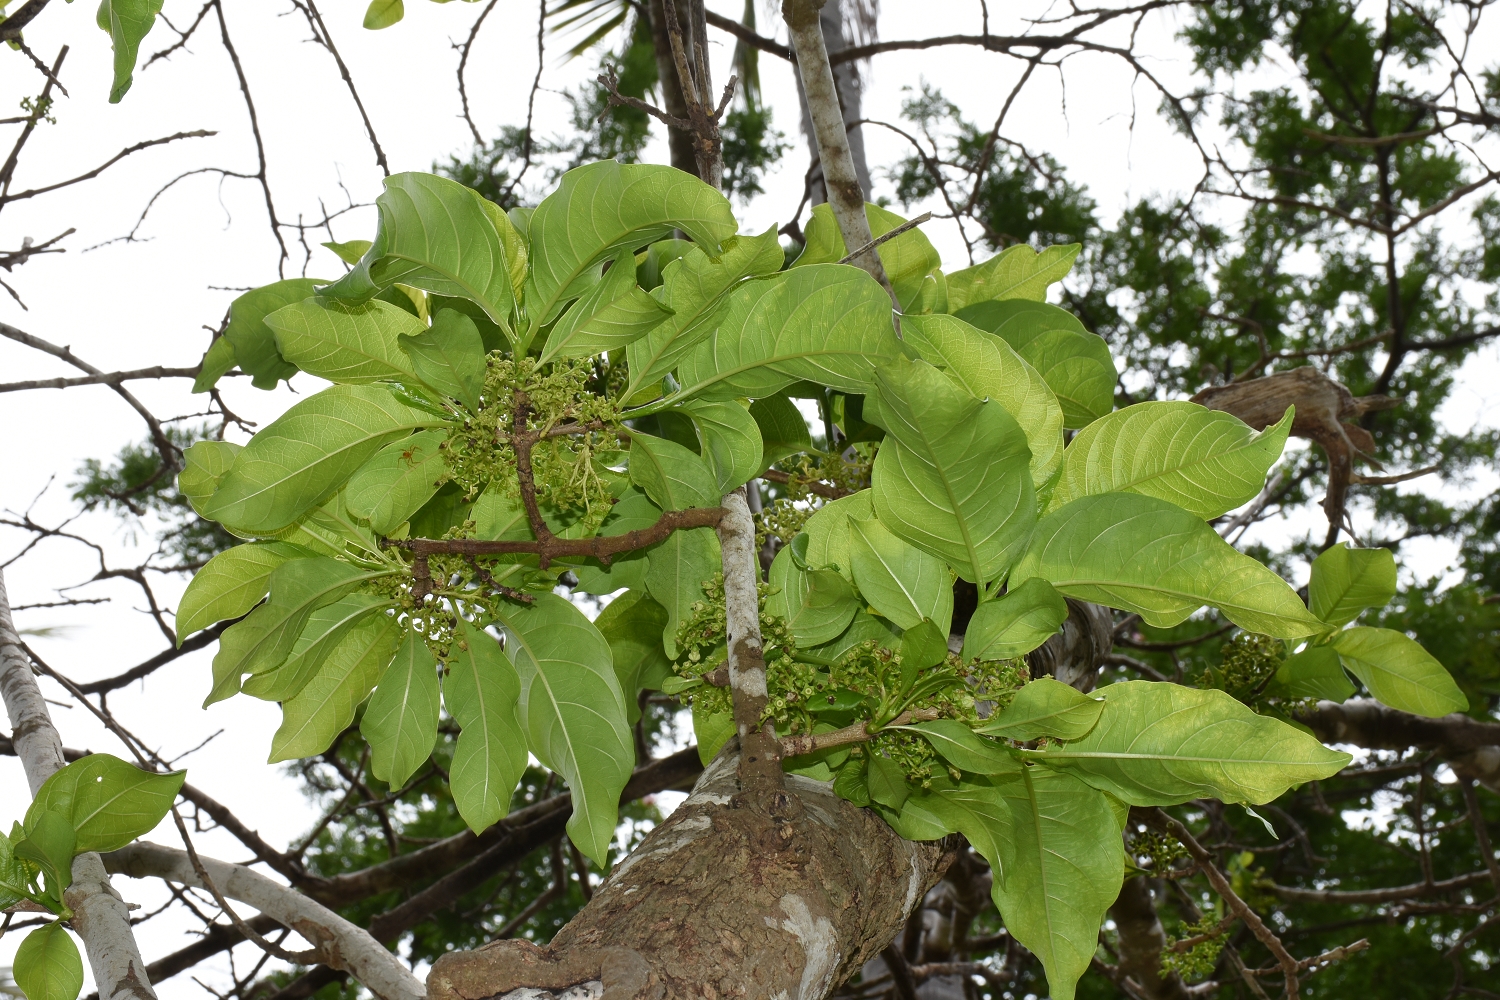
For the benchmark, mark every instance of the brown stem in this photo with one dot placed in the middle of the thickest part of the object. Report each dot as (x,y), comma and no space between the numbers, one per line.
(859,732)
(601,547)
(820,489)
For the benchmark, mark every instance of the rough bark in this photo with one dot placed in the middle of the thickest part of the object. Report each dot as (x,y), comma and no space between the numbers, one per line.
(679,141)
(1142,941)
(726,900)
(99,914)
(846,195)
(1471,746)
(339,943)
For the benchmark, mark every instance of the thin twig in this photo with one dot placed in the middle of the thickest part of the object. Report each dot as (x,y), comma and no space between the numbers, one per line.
(883,237)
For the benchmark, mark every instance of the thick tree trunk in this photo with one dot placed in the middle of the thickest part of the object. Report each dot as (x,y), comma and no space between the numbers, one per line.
(850,89)
(724,900)
(679,141)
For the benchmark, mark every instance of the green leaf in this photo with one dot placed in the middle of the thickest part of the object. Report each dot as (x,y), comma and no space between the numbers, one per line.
(449,357)
(325,631)
(48,966)
(325,706)
(977,809)
(1398,671)
(383,13)
(573,711)
(676,570)
(254,343)
(612,314)
(817,605)
(953,477)
(1141,554)
(632,624)
(217,361)
(397,481)
(439,236)
(602,208)
(349,251)
(401,721)
(711,730)
(49,845)
(828,323)
(730,439)
(851,782)
(829,544)
(269,633)
(1205,461)
(107,802)
(1017,272)
(899,580)
(231,584)
(306,454)
(1346,582)
(694,288)
(205,464)
(958,745)
(634,511)
(988,368)
(344,343)
(783,431)
(673,477)
(1063,868)
(923,645)
(1076,364)
(1159,744)
(1016,622)
(1313,673)
(908,259)
(863,627)
(16,874)
(652,262)
(128,22)
(483,695)
(886,781)
(1045,707)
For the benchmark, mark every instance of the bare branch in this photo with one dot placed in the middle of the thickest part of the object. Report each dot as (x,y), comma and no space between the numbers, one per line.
(320,32)
(106,378)
(7,198)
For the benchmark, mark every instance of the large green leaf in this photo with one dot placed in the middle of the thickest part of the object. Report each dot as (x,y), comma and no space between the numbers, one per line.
(128,23)
(302,457)
(828,539)
(254,342)
(1346,582)
(817,605)
(902,582)
(612,314)
(1062,870)
(863,627)
(205,464)
(783,431)
(449,356)
(1205,461)
(1160,744)
(401,721)
(397,481)
(217,361)
(48,966)
(1016,622)
(231,584)
(268,634)
(990,369)
(632,625)
(634,511)
(676,571)
(730,440)
(1313,673)
(1398,671)
(694,287)
(1045,707)
(439,236)
(953,476)
(325,706)
(108,802)
(574,712)
(1141,554)
(325,629)
(909,259)
(601,208)
(977,809)
(673,477)
(1017,272)
(958,745)
(828,323)
(345,343)
(1075,363)
(483,695)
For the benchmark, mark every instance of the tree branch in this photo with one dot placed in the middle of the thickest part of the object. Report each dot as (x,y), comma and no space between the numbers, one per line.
(760,757)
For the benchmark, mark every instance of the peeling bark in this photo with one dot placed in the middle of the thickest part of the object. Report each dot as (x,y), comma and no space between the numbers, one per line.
(99,914)
(724,900)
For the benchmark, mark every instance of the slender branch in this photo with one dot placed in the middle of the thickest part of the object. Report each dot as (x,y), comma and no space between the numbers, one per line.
(760,759)
(8,169)
(859,732)
(601,547)
(106,378)
(10,28)
(1481,831)
(749,37)
(1359,480)
(821,489)
(884,237)
(320,31)
(7,198)
(205,638)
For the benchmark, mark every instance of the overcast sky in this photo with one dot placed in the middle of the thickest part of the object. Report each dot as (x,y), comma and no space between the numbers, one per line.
(133,304)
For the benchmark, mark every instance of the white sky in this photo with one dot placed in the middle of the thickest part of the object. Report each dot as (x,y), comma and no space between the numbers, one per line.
(133,305)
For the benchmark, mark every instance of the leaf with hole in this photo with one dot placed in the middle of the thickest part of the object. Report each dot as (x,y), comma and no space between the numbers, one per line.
(107,802)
